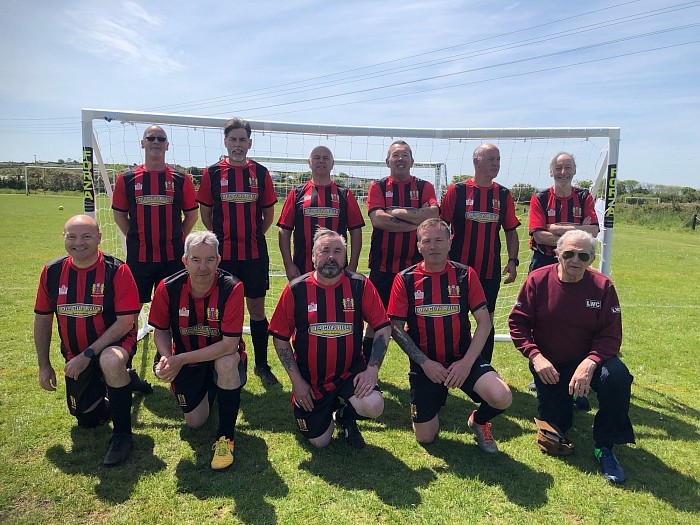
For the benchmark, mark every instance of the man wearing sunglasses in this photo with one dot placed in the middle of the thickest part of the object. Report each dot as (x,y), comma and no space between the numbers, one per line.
(154,207)
(566,321)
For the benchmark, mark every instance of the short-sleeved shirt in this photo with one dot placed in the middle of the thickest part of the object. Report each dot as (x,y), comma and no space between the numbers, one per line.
(567,322)
(477,215)
(87,301)
(436,308)
(155,201)
(391,252)
(310,206)
(327,325)
(238,195)
(546,208)
(197,322)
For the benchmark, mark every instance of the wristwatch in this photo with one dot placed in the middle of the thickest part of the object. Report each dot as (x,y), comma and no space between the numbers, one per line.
(515,260)
(89,352)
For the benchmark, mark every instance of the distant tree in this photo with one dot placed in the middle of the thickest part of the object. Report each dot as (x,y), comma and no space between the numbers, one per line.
(61,161)
(461,178)
(585,184)
(522,192)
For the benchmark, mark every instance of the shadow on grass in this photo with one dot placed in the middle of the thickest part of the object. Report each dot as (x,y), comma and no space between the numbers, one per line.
(85,458)
(522,485)
(374,469)
(249,482)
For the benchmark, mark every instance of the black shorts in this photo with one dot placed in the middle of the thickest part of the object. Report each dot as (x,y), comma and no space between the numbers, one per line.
(491,288)
(254,274)
(148,274)
(427,398)
(193,382)
(84,392)
(539,260)
(315,423)
(382,281)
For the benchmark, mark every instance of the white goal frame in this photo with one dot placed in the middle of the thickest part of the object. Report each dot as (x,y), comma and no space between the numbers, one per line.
(604,181)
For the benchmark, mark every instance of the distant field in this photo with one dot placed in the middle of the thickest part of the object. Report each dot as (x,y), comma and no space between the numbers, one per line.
(51,472)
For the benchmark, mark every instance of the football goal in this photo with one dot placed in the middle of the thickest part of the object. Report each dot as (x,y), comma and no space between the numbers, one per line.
(111,143)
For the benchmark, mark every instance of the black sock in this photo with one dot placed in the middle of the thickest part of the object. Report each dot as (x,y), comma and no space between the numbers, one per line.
(258,334)
(486,413)
(348,413)
(120,406)
(229,403)
(367,343)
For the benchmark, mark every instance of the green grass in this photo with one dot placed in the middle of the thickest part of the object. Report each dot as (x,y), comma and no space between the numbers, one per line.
(51,472)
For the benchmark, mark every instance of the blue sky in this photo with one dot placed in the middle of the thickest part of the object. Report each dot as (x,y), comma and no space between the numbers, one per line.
(632,64)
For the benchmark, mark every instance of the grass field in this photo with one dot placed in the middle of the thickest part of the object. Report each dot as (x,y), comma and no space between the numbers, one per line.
(51,472)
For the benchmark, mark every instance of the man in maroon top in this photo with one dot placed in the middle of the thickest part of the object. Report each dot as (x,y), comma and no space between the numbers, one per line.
(559,209)
(477,209)
(154,207)
(238,202)
(318,203)
(396,205)
(198,319)
(95,300)
(324,311)
(567,322)
(434,298)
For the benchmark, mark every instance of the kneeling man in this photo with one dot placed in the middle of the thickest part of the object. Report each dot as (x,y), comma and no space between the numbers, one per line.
(324,310)
(566,321)
(198,319)
(434,298)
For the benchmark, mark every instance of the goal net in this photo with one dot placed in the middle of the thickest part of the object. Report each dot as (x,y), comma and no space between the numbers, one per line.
(111,143)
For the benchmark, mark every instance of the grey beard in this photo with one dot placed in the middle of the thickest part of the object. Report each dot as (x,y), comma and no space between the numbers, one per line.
(329,270)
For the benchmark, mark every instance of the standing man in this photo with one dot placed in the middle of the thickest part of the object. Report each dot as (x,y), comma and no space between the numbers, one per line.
(318,203)
(94,299)
(567,322)
(477,209)
(198,319)
(238,201)
(559,209)
(324,311)
(397,204)
(434,297)
(154,207)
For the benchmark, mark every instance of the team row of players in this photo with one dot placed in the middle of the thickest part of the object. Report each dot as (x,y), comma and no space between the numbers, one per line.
(237,200)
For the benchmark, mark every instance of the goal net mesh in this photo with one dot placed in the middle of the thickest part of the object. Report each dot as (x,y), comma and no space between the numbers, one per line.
(440,156)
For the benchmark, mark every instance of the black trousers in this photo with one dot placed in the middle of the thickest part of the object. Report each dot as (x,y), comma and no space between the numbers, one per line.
(612,383)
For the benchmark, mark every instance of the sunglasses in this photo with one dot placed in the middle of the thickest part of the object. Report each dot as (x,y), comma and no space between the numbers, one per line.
(569,254)
(159,139)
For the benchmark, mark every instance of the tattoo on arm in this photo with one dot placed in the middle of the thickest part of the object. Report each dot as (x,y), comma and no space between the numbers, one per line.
(407,345)
(379,346)
(286,357)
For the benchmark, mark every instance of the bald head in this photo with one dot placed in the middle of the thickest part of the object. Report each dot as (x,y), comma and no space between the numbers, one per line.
(81,220)
(487,163)
(321,163)
(81,238)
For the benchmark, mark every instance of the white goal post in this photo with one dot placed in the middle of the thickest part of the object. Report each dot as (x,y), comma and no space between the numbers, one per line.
(111,140)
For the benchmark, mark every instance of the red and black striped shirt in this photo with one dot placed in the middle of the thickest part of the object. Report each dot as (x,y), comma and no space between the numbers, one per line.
(327,325)
(546,208)
(196,323)
(477,215)
(391,252)
(436,308)
(238,195)
(87,301)
(310,206)
(155,202)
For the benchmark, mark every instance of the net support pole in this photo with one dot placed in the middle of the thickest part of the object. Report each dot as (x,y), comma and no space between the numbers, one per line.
(88,168)
(610,196)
